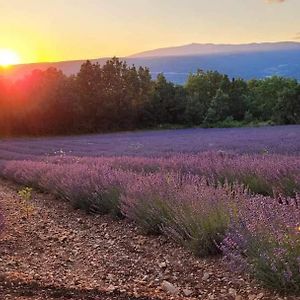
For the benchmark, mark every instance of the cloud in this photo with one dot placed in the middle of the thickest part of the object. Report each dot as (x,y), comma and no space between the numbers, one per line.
(275,1)
(297,36)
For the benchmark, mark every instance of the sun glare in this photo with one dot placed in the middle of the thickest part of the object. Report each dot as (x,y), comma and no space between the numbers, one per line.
(8,58)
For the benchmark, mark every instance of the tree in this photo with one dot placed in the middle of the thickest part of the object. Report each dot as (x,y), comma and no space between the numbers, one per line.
(219,108)
(264,94)
(162,108)
(287,109)
(201,89)
(112,96)
(238,92)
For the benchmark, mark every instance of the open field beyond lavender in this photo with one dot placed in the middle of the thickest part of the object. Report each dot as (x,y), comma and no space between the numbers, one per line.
(233,192)
(276,139)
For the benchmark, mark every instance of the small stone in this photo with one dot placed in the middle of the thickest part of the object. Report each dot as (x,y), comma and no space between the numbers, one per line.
(260,296)
(232,292)
(187,292)
(146,277)
(169,287)
(162,265)
(251,297)
(36,276)
(112,288)
(238,297)
(63,238)
(110,276)
(206,275)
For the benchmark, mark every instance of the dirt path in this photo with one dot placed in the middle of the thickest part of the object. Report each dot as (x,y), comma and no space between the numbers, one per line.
(60,253)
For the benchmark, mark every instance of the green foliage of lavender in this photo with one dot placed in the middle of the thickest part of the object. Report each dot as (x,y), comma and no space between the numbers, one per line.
(202,217)
(184,207)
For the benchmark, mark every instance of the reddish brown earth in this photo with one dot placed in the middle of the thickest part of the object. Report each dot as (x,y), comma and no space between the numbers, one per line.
(61,253)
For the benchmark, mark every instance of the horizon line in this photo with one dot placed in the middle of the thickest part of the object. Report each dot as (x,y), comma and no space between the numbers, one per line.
(149,50)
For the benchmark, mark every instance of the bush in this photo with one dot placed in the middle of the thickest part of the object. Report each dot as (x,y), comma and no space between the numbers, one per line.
(85,187)
(149,202)
(185,208)
(265,241)
(201,219)
(198,232)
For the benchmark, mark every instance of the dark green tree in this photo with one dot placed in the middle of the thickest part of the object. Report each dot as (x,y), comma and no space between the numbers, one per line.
(201,88)
(263,96)
(167,103)
(287,109)
(219,108)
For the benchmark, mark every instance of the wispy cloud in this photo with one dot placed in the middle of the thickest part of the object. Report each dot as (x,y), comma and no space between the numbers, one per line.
(297,36)
(275,1)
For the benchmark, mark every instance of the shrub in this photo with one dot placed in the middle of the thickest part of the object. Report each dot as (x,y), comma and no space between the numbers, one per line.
(201,219)
(149,202)
(185,208)
(265,241)
(257,184)
(91,189)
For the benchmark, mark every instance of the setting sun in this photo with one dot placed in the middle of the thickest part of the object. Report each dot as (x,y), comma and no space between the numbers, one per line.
(8,57)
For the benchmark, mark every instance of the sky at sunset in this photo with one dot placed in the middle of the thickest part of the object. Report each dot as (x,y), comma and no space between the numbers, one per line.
(55,30)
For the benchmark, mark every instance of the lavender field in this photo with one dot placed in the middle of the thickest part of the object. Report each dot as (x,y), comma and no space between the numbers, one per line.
(276,139)
(234,192)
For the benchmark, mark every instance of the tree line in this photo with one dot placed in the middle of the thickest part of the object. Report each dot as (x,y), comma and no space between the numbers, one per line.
(117,96)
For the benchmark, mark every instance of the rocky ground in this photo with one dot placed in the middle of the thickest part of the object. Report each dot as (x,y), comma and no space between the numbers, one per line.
(62,253)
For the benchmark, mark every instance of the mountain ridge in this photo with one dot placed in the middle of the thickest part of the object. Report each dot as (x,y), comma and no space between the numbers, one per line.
(282,59)
(211,48)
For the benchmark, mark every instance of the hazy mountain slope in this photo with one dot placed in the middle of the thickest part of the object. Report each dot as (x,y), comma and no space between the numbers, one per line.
(68,67)
(245,65)
(253,64)
(201,49)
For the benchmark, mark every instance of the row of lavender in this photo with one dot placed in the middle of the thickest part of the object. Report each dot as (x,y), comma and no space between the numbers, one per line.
(268,175)
(244,206)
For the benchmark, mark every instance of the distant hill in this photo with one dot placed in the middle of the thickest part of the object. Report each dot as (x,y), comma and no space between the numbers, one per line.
(245,61)
(205,49)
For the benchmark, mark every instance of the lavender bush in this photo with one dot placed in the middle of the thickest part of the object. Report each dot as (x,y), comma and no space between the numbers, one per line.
(94,190)
(186,208)
(149,201)
(202,217)
(265,240)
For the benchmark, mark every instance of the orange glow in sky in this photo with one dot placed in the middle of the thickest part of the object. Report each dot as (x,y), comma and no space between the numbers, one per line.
(55,30)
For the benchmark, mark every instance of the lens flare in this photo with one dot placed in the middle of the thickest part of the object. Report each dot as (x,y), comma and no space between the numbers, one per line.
(8,58)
